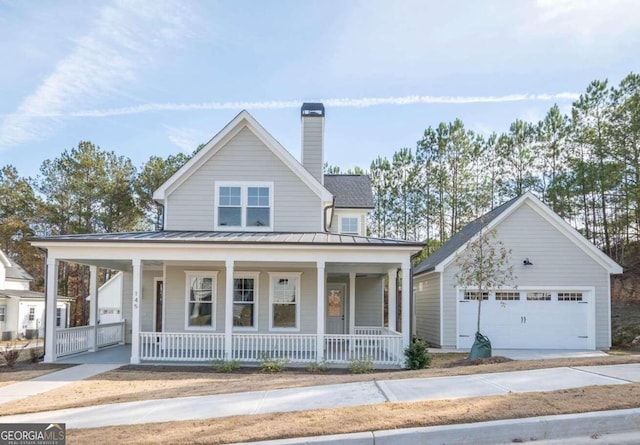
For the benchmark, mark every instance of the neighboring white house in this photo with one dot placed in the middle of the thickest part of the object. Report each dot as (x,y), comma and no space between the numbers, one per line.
(561,298)
(110,299)
(22,310)
(259,254)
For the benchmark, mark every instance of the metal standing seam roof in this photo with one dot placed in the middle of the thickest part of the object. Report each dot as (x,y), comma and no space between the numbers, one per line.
(206,237)
(460,238)
(350,191)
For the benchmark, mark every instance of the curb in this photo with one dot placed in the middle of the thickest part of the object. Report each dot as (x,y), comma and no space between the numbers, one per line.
(563,426)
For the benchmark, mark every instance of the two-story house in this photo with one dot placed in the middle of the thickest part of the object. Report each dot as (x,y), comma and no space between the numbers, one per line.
(259,255)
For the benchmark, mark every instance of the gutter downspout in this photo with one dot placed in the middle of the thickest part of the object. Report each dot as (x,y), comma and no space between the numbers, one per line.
(332,206)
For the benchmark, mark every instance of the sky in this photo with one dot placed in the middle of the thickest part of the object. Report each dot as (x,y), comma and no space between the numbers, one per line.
(156,77)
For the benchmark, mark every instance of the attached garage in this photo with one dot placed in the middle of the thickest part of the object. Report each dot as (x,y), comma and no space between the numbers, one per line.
(560,298)
(548,318)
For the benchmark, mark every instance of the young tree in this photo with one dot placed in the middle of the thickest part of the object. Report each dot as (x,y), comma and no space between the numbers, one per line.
(485,264)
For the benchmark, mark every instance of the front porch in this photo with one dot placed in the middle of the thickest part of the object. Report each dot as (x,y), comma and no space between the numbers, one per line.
(300,304)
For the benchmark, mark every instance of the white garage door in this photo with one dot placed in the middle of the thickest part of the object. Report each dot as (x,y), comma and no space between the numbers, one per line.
(547,319)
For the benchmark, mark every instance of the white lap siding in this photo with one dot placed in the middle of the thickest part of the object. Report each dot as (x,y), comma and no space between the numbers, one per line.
(427,307)
(175,297)
(369,301)
(244,158)
(557,262)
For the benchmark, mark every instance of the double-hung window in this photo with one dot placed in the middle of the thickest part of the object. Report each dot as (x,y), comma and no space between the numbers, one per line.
(32,313)
(58,317)
(284,301)
(3,313)
(349,225)
(245,300)
(244,206)
(200,300)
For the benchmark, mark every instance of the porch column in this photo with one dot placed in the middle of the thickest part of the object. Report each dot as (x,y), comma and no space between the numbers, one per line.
(135,313)
(228,311)
(352,303)
(93,306)
(320,311)
(392,295)
(406,314)
(50,315)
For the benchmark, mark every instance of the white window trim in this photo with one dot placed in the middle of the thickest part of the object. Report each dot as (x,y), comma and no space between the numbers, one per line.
(256,293)
(358,231)
(214,298)
(244,186)
(277,275)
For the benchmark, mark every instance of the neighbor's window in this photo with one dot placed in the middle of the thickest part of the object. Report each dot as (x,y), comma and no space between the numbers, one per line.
(58,316)
(2,313)
(349,225)
(285,301)
(32,314)
(245,300)
(200,299)
(244,206)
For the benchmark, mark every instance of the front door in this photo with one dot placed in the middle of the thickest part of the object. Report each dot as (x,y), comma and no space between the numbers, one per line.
(335,308)
(159,302)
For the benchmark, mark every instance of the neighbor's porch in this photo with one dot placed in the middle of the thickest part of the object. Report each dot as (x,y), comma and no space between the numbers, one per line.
(158,305)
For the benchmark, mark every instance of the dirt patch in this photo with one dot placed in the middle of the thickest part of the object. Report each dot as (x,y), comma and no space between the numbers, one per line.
(133,383)
(26,371)
(479,361)
(366,418)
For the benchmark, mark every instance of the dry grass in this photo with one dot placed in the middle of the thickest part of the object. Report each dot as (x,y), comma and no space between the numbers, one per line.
(133,383)
(366,418)
(26,371)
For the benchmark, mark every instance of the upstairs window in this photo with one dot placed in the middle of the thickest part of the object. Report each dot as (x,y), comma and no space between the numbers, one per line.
(349,225)
(244,206)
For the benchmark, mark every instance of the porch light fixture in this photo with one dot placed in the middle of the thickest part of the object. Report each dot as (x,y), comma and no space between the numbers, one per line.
(526,262)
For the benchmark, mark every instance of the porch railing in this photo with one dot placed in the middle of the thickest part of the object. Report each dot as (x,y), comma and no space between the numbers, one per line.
(181,346)
(382,346)
(73,340)
(298,348)
(381,349)
(80,339)
(109,334)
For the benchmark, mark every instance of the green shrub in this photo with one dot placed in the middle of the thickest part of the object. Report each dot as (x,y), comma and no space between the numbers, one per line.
(225,365)
(272,365)
(417,356)
(360,366)
(318,367)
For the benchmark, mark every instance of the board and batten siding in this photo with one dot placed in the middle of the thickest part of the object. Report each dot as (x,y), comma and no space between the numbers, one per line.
(427,307)
(175,297)
(557,261)
(244,157)
(369,301)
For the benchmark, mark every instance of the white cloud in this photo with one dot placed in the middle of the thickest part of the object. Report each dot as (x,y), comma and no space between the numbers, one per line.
(122,40)
(361,102)
(185,138)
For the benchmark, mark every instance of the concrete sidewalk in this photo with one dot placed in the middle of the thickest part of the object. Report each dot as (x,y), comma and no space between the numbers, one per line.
(333,396)
(51,381)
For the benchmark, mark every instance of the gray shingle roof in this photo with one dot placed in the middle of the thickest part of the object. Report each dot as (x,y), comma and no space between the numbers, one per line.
(177,236)
(351,191)
(13,269)
(460,238)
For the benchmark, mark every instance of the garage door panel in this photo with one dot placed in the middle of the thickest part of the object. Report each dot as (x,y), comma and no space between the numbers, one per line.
(538,319)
